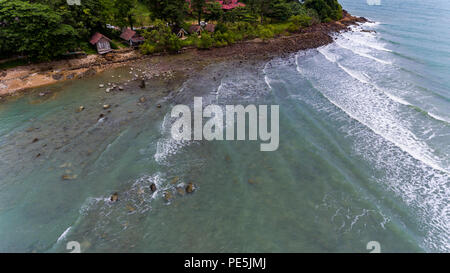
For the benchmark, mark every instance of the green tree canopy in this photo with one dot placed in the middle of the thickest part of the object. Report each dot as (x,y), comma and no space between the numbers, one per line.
(34,30)
(172,11)
(198,6)
(327,9)
(124,12)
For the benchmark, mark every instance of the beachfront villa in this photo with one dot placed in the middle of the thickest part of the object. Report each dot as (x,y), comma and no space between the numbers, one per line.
(230,4)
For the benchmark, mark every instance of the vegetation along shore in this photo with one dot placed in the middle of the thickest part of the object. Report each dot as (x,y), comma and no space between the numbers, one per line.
(68,42)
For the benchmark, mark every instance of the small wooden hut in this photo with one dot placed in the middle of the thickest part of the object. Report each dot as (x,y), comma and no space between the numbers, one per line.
(196,29)
(182,33)
(102,42)
(210,27)
(132,37)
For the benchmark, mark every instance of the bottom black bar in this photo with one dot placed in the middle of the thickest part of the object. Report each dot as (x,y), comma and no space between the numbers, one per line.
(222,262)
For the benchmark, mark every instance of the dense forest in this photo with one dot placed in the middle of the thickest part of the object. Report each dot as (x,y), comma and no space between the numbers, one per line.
(46,29)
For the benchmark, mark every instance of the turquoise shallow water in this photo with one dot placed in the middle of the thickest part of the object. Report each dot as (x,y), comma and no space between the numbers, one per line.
(363,156)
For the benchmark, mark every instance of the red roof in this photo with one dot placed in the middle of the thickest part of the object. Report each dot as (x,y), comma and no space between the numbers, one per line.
(96,37)
(128,34)
(231,4)
(226,4)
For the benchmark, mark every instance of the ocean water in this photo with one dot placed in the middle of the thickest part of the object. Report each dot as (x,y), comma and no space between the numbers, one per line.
(364,152)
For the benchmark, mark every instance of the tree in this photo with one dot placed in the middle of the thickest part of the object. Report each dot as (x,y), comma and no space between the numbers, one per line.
(160,38)
(124,12)
(327,9)
(279,10)
(198,6)
(34,30)
(87,18)
(172,11)
(260,7)
(214,11)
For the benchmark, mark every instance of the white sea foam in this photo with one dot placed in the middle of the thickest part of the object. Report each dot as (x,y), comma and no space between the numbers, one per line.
(366,107)
(266,79)
(365,40)
(355,74)
(64,234)
(359,75)
(395,98)
(166,145)
(360,53)
(387,134)
(328,55)
(437,117)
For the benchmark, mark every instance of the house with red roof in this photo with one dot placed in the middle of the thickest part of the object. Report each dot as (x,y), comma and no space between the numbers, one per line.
(132,37)
(102,42)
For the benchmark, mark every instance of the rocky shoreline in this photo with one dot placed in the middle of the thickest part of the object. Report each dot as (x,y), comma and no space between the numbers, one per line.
(17,80)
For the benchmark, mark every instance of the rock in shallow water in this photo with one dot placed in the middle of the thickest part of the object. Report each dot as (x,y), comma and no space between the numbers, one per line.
(69,177)
(168,196)
(142,84)
(190,188)
(153,187)
(114,197)
(81,108)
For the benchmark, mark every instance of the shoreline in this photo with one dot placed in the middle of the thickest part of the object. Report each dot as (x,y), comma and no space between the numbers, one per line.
(18,80)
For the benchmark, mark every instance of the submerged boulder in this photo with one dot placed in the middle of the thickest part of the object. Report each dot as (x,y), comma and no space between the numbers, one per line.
(174,180)
(181,191)
(168,196)
(251,181)
(130,208)
(69,177)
